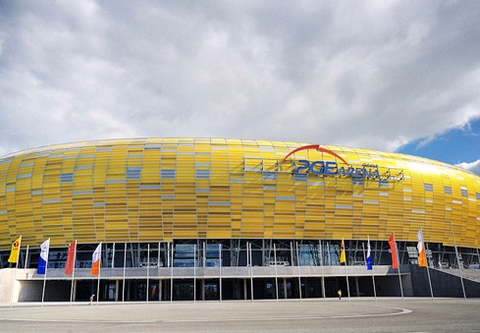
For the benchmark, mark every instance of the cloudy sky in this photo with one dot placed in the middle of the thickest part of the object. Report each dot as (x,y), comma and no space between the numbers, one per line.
(391,75)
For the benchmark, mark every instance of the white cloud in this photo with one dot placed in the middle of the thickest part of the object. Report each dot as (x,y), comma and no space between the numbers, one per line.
(472,167)
(367,74)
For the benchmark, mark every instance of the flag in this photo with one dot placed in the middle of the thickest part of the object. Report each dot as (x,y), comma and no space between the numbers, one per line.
(393,249)
(70,264)
(15,250)
(43,259)
(342,253)
(422,258)
(96,260)
(369,256)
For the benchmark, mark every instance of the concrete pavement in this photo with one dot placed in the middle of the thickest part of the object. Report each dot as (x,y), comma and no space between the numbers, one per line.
(312,315)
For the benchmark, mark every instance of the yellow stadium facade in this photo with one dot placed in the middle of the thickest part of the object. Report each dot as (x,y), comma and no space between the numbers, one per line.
(205,218)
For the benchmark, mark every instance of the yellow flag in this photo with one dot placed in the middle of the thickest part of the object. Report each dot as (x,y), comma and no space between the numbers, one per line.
(342,253)
(15,248)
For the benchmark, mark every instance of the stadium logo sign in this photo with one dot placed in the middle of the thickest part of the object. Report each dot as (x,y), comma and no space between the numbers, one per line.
(330,168)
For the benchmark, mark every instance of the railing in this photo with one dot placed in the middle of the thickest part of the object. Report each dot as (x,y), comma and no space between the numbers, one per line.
(153,272)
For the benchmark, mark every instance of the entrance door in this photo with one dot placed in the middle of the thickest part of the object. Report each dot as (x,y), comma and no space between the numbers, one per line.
(110,290)
(211,290)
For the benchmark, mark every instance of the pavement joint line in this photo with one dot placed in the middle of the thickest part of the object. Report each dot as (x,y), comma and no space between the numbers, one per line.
(79,320)
(401,311)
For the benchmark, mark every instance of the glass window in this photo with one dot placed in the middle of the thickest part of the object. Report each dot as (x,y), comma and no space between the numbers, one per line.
(183,263)
(268,175)
(66,177)
(167,173)
(383,182)
(447,189)
(301,177)
(212,251)
(133,173)
(184,251)
(202,174)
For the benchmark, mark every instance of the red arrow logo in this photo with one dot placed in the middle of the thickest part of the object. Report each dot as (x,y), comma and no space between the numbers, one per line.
(316,147)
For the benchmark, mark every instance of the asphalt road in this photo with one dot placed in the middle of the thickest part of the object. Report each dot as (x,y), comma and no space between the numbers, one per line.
(356,315)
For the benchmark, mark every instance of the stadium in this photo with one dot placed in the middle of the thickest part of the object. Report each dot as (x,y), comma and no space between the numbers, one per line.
(167,219)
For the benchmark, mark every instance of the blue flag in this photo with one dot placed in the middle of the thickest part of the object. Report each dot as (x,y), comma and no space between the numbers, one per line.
(43,259)
(369,256)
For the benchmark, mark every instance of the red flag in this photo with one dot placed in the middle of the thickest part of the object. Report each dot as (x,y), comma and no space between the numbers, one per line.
(393,248)
(70,264)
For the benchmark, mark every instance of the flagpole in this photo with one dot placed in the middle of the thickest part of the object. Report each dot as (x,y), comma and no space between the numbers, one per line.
(399,266)
(99,272)
(365,259)
(13,285)
(458,262)
(368,258)
(249,253)
(148,272)
(204,264)
(18,253)
(373,275)
(15,274)
(249,269)
(364,256)
(113,256)
(220,272)
(160,286)
(478,255)
(46,269)
(25,264)
(298,271)
(73,270)
(323,275)
(194,272)
(348,282)
(343,252)
(171,273)
(124,268)
(428,270)
(276,270)
(328,255)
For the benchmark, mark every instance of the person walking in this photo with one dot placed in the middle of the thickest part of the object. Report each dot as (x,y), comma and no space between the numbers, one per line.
(339,292)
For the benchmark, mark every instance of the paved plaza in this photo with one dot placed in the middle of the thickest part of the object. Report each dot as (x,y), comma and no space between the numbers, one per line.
(331,315)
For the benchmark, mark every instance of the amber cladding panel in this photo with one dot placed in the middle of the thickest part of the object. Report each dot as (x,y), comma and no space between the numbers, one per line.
(159,189)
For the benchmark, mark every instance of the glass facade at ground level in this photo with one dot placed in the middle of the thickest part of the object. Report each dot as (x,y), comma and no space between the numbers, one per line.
(235,270)
(246,253)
